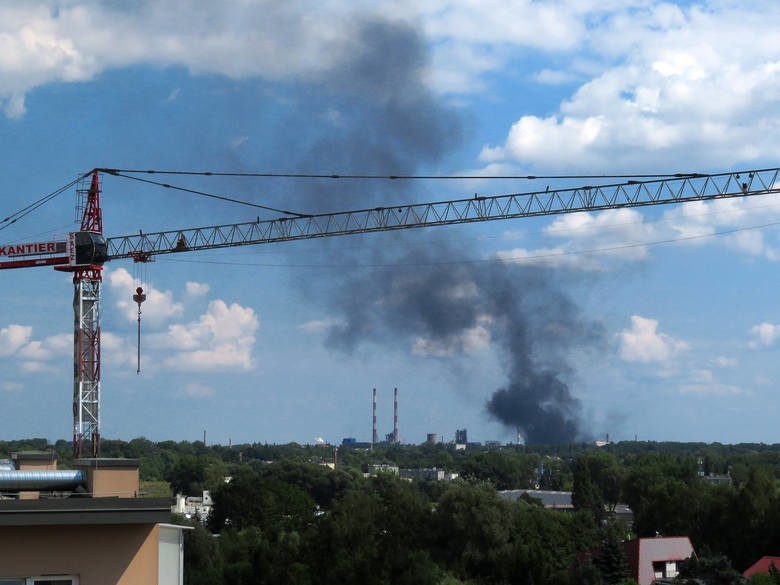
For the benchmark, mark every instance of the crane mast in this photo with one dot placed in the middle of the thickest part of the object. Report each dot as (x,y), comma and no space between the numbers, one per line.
(88,249)
(86,336)
(87,254)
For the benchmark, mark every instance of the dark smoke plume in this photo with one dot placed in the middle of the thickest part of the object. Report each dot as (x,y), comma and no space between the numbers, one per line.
(385,120)
(440,310)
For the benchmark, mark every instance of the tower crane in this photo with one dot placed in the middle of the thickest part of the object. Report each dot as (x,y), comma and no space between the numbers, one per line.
(85,251)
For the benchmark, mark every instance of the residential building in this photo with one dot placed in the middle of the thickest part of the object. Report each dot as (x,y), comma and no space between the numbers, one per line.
(657,558)
(193,507)
(89,529)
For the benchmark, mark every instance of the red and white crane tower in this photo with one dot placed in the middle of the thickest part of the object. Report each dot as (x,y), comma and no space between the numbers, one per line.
(86,250)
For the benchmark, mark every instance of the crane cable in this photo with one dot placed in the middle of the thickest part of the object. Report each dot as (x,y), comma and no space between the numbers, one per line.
(16,216)
(123,173)
(120,172)
(210,195)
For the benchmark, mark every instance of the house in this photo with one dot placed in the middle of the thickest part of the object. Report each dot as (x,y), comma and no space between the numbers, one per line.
(763,565)
(656,558)
(85,526)
(198,507)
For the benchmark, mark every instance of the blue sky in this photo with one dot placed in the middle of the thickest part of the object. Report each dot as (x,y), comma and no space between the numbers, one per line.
(284,342)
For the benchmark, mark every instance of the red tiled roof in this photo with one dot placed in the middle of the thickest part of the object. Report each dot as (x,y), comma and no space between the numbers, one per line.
(762,566)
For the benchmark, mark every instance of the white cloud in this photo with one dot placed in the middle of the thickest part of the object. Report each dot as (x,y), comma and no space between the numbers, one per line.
(33,367)
(651,103)
(616,232)
(195,390)
(14,106)
(158,307)
(766,334)
(712,389)
(494,22)
(48,348)
(13,338)
(11,387)
(649,68)
(470,340)
(589,240)
(197,289)
(644,343)
(726,362)
(34,355)
(552,257)
(554,77)
(320,325)
(704,382)
(239,141)
(760,380)
(220,339)
(41,42)
(122,352)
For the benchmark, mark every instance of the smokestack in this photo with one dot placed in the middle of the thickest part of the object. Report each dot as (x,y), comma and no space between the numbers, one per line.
(374,436)
(395,415)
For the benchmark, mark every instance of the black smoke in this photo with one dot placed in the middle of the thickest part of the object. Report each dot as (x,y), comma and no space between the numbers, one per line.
(440,302)
(441,309)
(384,119)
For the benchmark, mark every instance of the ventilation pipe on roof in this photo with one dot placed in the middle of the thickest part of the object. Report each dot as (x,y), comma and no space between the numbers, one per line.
(61,479)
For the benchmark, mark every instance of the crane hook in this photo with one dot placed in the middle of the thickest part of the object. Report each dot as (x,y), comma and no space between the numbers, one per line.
(139,297)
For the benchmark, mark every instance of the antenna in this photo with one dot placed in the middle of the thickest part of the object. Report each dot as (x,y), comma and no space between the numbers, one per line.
(395,415)
(374,436)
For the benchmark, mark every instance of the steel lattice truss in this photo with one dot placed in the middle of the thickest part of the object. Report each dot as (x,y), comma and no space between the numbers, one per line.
(86,360)
(678,189)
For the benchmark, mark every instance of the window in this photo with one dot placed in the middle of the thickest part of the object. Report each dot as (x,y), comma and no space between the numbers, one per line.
(665,569)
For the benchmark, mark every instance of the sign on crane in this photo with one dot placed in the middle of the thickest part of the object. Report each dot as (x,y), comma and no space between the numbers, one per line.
(86,250)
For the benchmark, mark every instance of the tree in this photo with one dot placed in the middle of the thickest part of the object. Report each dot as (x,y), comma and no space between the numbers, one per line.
(202,557)
(473,530)
(586,495)
(251,500)
(379,532)
(612,562)
(709,569)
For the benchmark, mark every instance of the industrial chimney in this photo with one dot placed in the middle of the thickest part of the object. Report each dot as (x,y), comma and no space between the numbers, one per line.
(374,436)
(395,415)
